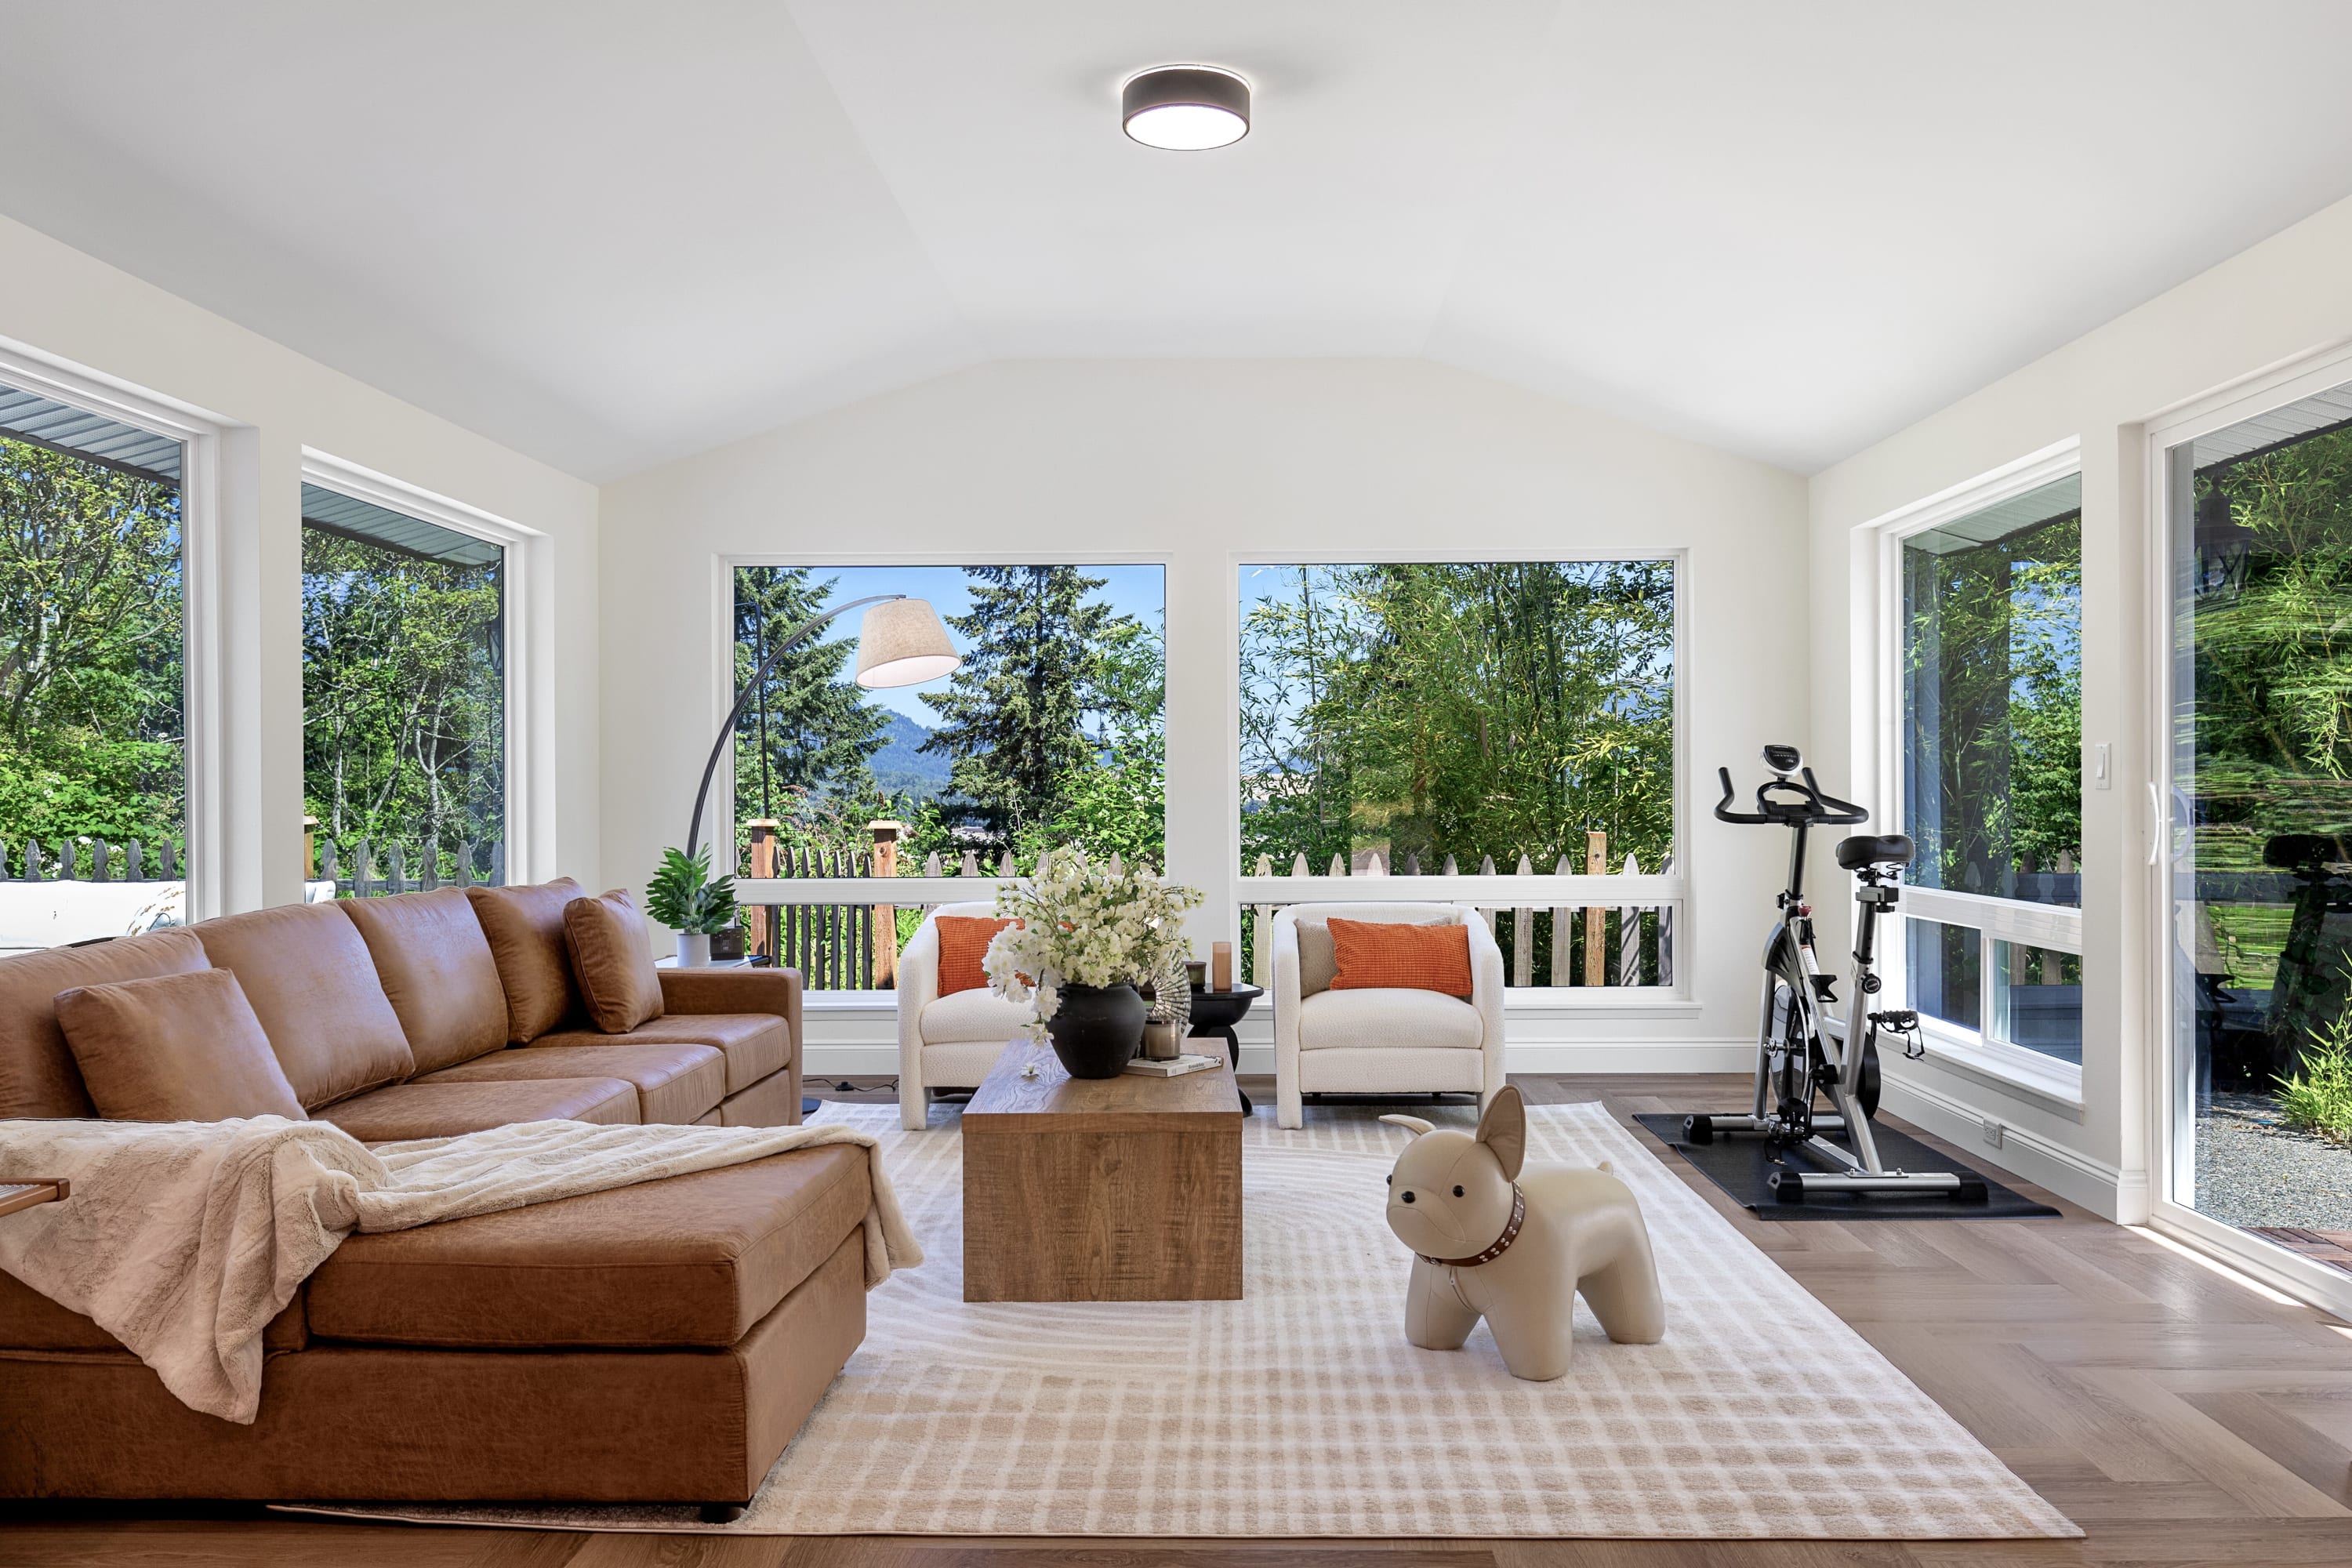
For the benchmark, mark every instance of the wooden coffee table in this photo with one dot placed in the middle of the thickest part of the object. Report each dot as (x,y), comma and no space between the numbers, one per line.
(1122,1189)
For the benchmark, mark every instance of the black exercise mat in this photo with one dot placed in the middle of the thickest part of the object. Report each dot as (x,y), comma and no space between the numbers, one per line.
(1742,1165)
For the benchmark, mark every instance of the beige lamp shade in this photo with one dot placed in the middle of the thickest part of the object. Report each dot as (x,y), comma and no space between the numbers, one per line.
(902,642)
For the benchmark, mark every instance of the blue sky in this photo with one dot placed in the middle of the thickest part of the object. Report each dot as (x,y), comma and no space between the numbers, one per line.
(1138,591)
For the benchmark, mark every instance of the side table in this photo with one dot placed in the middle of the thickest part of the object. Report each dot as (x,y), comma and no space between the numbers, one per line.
(1215,1013)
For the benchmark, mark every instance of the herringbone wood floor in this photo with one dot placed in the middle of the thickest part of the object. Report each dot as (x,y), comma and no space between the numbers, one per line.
(2178,1417)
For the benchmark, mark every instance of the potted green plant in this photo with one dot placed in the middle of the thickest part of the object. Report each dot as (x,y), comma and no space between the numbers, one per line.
(1090,933)
(682,896)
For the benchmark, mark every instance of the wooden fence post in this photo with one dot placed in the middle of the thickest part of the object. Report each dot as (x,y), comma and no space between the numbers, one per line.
(1523,933)
(1629,933)
(1596,919)
(886,916)
(1563,934)
(760,937)
(1262,936)
(1666,930)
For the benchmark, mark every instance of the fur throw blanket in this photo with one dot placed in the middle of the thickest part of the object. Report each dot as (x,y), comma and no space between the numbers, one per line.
(183,1239)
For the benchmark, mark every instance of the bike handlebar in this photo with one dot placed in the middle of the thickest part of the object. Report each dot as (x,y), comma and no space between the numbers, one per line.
(1815,805)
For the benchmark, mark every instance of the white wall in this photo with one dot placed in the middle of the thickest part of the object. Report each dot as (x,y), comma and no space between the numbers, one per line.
(2283,299)
(1191,462)
(57,304)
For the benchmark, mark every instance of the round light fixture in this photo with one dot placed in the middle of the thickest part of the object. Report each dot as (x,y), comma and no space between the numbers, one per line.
(1185,109)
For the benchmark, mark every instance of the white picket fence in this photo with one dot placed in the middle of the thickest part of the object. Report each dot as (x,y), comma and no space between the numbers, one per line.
(1624,917)
(833,918)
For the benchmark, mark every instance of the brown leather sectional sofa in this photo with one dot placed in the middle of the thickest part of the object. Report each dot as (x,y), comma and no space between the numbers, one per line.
(659,1343)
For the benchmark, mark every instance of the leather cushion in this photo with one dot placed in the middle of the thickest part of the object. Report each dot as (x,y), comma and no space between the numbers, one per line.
(408,1111)
(975,1016)
(31,1322)
(673,1082)
(612,961)
(37,1076)
(774,1101)
(311,983)
(174,1048)
(755,1043)
(1380,955)
(963,943)
(436,969)
(1377,1020)
(691,1261)
(524,927)
(744,990)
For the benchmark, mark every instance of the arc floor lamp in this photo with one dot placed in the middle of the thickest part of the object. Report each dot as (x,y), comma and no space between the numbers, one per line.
(900,643)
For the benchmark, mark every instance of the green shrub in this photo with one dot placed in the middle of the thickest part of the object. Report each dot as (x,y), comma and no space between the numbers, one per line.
(2318,1099)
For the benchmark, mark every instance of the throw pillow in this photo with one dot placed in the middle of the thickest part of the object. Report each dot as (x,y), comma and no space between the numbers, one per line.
(1376,953)
(963,942)
(525,927)
(613,959)
(174,1048)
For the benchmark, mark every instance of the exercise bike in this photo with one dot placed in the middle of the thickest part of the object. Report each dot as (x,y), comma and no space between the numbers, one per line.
(1795,1062)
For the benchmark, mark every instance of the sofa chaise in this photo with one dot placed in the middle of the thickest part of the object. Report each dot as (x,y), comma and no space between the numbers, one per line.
(658,1343)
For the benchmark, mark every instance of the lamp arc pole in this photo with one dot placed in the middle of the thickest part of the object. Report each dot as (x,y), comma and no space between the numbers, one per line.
(799,633)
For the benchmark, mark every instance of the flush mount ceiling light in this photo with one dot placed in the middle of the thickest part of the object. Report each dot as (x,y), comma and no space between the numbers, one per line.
(1185,109)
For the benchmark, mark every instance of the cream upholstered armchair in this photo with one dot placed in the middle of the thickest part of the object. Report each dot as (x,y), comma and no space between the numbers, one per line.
(1380,1041)
(946,1042)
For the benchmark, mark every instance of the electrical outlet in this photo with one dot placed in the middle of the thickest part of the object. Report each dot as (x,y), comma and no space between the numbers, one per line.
(1992,1132)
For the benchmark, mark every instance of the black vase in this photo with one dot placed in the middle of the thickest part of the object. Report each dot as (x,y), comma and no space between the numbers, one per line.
(1097,1029)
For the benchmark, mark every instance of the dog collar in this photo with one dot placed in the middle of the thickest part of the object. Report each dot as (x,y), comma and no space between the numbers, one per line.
(1496,1248)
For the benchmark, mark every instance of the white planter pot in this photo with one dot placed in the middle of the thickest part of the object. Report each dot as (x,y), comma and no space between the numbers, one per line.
(693,950)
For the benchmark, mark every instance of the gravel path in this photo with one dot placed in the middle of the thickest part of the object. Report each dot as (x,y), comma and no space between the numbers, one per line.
(2252,1170)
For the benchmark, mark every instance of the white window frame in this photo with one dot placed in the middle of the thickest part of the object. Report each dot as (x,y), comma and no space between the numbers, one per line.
(530,805)
(1543,890)
(1976,1052)
(199,434)
(2303,1277)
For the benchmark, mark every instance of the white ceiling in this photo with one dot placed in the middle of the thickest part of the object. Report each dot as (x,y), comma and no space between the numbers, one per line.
(609,232)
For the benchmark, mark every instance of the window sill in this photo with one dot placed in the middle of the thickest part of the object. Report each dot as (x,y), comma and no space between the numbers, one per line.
(2054,1085)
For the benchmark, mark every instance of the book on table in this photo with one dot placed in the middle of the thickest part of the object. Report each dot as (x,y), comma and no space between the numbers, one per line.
(1173,1066)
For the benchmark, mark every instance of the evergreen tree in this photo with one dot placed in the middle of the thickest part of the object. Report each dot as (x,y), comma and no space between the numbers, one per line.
(810,725)
(1014,718)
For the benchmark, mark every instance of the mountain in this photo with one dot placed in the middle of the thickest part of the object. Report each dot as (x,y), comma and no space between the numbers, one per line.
(898,767)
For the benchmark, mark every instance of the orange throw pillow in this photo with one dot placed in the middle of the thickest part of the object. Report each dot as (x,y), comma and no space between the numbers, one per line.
(1377,954)
(963,942)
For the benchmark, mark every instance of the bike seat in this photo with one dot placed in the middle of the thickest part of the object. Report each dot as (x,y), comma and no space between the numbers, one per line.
(1873,849)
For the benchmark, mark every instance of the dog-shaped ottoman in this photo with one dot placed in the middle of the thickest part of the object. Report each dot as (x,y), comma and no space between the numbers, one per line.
(1515,1249)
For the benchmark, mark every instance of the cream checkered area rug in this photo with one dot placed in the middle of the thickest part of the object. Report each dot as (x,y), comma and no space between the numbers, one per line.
(1300,1411)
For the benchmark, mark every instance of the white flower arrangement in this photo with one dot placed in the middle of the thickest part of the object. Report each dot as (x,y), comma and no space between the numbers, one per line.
(1087,922)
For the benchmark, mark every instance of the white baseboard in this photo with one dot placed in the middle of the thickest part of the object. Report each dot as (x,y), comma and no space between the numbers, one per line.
(2025,1155)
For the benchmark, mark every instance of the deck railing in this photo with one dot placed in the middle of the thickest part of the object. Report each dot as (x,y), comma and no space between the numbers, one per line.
(365,868)
(824,913)
(1596,928)
(107,861)
(817,912)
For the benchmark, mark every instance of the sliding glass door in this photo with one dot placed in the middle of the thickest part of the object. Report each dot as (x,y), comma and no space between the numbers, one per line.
(2258,834)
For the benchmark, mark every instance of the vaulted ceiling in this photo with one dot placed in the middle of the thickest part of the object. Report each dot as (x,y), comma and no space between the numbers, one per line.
(613,232)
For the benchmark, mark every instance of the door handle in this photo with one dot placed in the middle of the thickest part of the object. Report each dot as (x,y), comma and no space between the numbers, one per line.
(2159,822)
